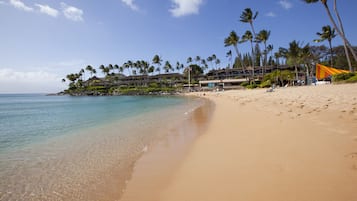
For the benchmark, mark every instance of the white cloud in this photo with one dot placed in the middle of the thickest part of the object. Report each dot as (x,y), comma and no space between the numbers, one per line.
(47,10)
(12,81)
(72,13)
(20,5)
(131,4)
(285,4)
(271,14)
(185,7)
(2,2)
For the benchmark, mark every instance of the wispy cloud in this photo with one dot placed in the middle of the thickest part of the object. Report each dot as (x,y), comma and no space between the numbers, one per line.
(131,4)
(285,4)
(72,13)
(185,7)
(270,14)
(20,5)
(47,10)
(2,2)
(28,81)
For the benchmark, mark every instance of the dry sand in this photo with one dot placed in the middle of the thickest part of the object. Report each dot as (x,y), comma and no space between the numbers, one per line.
(291,144)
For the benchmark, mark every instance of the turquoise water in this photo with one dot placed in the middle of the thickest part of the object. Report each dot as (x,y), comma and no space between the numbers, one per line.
(82,148)
(28,118)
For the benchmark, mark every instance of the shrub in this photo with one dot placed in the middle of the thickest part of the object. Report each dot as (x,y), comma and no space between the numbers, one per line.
(265,84)
(252,86)
(352,79)
(244,84)
(342,77)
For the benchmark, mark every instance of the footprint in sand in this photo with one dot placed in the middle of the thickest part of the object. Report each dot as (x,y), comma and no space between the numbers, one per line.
(351,155)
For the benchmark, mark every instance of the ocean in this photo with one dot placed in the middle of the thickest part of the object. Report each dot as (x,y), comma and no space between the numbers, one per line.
(83,148)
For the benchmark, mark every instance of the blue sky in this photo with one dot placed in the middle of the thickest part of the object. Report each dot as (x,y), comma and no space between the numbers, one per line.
(42,40)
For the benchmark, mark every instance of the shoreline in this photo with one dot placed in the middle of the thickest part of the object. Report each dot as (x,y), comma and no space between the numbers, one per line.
(154,169)
(296,143)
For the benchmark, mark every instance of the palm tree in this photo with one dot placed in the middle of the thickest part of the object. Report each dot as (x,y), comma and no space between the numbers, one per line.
(101,67)
(248,36)
(111,68)
(117,67)
(157,60)
(248,16)
(229,56)
(81,73)
(197,59)
(167,67)
(89,68)
(189,60)
(270,50)
(327,34)
(209,59)
(340,30)
(233,39)
(263,36)
(293,55)
(217,62)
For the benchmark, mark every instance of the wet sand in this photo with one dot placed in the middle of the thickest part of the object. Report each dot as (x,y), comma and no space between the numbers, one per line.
(291,144)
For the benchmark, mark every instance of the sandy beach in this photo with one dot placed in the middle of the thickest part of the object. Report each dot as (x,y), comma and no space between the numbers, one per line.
(296,143)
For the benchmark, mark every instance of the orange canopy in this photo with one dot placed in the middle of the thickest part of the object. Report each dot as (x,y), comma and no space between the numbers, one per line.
(324,71)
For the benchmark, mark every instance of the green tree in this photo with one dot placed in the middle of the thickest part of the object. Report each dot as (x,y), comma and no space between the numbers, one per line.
(232,40)
(248,16)
(327,34)
(157,61)
(167,67)
(89,68)
(263,37)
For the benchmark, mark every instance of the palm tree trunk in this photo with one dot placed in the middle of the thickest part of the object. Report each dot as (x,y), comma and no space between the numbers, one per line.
(343,32)
(253,57)
(265,57)
(345,41)
(331,53)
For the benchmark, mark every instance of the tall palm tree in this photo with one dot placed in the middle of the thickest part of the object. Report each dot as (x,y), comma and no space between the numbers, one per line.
(197,59)
(232,40)
(167,67)
(248,36)
(157,61)
(339,30)
(263,37)
(327,34)
(116,66)
(270,50)
(81,73)
(217,62)
(293,55)
(101,67)
(189,60)
(89,68)
(229,56)
(209,59)
(248,16)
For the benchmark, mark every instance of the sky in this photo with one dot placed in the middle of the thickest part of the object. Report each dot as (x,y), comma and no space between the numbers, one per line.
(41,41)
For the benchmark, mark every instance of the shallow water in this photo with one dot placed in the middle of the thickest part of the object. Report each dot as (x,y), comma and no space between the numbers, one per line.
(79,148)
